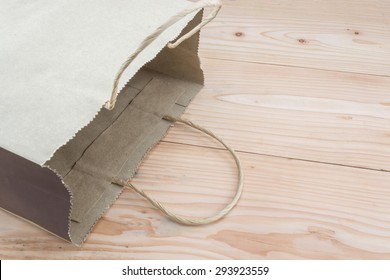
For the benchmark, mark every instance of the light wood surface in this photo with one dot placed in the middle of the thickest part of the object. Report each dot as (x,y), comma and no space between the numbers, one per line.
(301,90)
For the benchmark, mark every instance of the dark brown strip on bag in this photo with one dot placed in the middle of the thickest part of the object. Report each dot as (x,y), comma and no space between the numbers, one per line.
(34,193)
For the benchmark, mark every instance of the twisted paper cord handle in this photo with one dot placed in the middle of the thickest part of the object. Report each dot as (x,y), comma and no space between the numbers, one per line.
(217,4)
(193,221)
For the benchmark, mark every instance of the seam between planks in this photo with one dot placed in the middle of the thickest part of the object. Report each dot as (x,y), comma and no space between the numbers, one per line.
(281,157)
(295,66)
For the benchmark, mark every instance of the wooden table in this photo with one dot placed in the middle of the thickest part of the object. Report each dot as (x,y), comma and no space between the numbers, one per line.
(302,90)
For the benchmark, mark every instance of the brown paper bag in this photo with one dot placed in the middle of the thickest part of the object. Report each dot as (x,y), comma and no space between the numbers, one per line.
(59,149)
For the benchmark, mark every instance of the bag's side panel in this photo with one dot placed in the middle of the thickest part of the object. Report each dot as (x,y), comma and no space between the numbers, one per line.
(34,193)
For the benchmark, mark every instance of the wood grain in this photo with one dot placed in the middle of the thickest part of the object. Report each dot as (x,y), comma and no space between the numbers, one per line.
(301,89)
(351,36)
(323,116)
(290,209)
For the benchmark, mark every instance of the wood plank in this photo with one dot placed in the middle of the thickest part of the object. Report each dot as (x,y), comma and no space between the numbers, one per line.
(351,36)
(323,116)
(290,209)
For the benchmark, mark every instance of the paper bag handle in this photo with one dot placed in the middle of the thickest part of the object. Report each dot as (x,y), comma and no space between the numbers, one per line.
(217,4)
(193,221)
